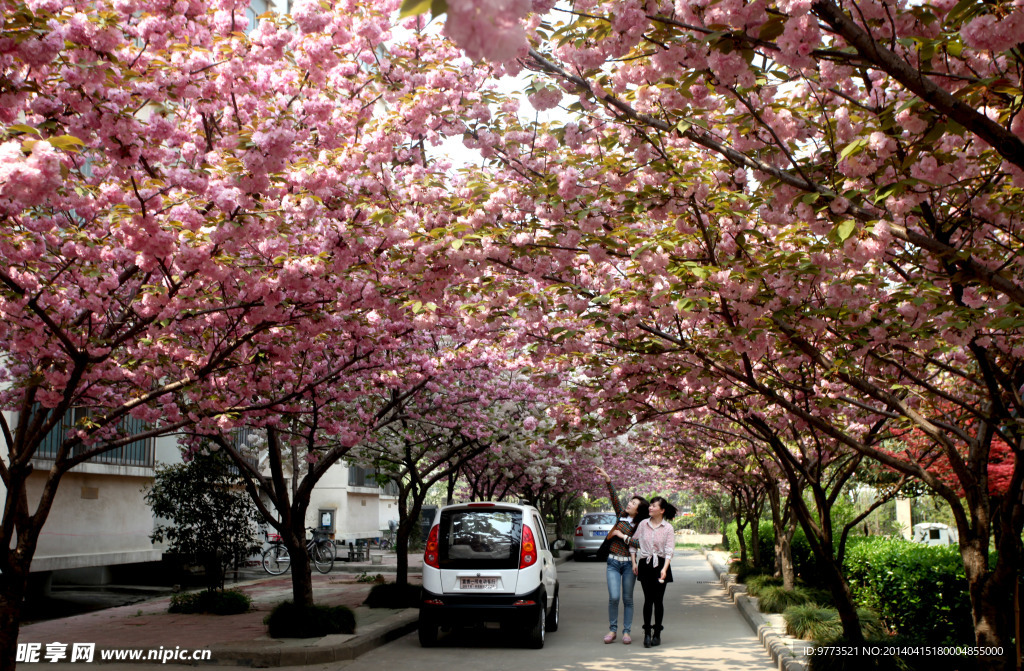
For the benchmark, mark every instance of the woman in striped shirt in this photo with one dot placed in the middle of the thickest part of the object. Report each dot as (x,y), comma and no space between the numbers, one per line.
(651,550)
(619,569)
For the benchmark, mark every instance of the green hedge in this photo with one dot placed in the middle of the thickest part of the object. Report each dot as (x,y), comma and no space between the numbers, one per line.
(392,595)
(289,621)
(919,590)
(216,602)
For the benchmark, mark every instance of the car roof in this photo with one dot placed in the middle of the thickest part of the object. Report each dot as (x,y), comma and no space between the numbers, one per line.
(489,505)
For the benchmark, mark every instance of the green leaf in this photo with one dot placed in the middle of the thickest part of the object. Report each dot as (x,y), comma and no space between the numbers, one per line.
(853,148)
(22,128)
(414,8)
(438,7)
(771,29)
(66,142)
(846,229)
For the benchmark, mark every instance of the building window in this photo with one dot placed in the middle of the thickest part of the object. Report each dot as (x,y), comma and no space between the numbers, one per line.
(359,476)
(256,8)
(137,453)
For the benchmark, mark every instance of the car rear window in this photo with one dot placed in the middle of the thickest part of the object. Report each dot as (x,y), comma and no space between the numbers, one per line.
(485,539)
(599,518)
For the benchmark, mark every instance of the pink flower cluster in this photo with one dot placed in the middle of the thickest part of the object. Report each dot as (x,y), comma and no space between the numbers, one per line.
(488,29)
(27,181)
(991,33)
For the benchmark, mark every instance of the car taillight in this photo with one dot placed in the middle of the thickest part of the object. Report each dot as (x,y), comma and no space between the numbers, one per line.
(579,531)
(528,553)
(430,557)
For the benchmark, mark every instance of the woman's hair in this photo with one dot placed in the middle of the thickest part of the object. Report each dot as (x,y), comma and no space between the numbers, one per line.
(670,510)
(642,511)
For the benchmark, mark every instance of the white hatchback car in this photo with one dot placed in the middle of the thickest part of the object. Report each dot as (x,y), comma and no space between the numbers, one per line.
(489,562)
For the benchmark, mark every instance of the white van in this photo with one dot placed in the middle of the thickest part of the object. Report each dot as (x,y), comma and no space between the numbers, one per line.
(489,562)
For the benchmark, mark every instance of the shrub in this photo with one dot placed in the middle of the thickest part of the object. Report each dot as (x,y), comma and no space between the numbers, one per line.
(776,599)
(289,621)
(817,623)
(393,595)
(744,571)
(918,590)
(756,583)
(217,602)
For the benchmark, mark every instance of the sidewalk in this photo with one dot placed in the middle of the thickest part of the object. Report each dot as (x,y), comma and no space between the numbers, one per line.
(242,640)
(770,628)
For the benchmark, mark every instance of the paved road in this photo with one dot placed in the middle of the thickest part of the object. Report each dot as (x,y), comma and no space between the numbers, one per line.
(703,632)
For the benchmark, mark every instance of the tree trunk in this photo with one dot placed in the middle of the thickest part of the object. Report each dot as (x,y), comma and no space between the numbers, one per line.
(784,557)
(302,572)
(12,599)
(991,604)
(755,543)
(408,518)
(783,526)
(821,544)
(740,528)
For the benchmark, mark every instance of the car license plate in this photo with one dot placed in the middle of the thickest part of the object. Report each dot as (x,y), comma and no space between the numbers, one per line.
(478,583)
(599,533)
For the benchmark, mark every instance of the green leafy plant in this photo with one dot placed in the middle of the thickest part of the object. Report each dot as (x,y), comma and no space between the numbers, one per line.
(917,589)
(210,519)
(290,621)
(776,599)
(220,602)
(393,595)
(818,623)
(756,583)
(375,579)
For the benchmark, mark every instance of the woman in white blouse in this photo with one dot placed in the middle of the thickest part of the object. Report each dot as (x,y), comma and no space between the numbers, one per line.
(651,550)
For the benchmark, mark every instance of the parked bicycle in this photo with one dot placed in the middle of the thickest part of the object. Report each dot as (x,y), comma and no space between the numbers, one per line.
(387,540)
(277,560)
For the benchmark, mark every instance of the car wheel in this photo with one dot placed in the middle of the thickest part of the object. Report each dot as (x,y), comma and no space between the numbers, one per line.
(535,635)
(428,634)
(552,624)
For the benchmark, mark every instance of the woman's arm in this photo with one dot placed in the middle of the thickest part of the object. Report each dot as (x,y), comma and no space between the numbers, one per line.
(616,504)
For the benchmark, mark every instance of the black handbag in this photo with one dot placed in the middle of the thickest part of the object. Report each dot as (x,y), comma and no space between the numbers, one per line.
(605,549)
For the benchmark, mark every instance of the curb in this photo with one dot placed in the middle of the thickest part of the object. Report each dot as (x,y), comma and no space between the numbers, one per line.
(771,636)
(334,648)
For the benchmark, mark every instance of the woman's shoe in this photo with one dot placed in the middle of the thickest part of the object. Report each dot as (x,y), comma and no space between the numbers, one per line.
(609,637)
(647,636)
(656,637)
(626,639)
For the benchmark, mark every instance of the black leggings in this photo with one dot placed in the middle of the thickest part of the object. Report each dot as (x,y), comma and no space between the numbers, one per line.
(654,594)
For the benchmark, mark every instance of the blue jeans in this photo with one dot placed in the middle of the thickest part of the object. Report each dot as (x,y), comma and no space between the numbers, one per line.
(620,585)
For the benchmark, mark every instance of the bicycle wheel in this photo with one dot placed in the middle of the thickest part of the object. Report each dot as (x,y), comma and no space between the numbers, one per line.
(276,559)
(323,557)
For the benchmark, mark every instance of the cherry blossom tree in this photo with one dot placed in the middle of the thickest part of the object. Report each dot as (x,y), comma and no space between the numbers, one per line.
(835,184)
(185,203)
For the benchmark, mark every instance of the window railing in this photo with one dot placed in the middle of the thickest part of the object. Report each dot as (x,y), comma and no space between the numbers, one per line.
(137,453)
(360,476)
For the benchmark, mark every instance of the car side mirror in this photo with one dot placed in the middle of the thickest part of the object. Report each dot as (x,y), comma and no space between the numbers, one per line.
(558,545)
